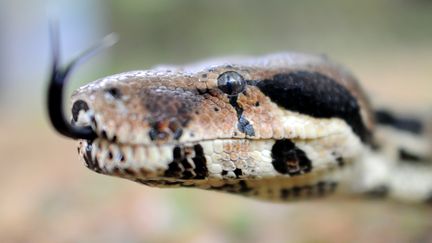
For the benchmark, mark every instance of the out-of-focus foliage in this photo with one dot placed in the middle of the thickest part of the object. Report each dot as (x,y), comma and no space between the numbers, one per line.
(185,30)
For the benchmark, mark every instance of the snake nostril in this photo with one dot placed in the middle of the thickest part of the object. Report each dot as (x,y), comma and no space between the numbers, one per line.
(114,92)
(77,107)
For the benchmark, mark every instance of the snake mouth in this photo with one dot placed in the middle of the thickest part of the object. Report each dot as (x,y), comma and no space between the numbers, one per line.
(107,157)
(150,161)
(209,164)
(191,160)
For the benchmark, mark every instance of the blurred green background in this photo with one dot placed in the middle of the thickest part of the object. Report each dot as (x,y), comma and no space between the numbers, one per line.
(47,195)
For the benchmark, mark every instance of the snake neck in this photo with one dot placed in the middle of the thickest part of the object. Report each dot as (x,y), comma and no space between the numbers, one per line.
(400,165)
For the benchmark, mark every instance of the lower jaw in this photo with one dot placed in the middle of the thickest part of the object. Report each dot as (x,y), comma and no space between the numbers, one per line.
(154,166)
(196,164)
(189,161)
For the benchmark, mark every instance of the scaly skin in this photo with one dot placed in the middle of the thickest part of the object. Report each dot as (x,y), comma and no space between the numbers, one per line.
(302,128)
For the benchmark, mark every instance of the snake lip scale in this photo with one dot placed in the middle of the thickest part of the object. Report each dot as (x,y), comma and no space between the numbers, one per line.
(281,127)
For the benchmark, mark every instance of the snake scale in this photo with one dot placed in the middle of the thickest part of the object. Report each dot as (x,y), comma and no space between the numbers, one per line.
(282,127)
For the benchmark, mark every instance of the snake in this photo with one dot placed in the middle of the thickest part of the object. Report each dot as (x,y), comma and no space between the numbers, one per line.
(281,127)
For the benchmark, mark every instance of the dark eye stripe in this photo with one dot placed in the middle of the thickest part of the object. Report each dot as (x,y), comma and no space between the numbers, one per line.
(317,95)
(288,159)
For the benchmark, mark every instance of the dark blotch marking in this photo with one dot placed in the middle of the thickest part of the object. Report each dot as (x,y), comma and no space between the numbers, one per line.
(378,192)
(408,124)
(104,134)
(243,124)
(122,157)
(238,172)
(186,164)
(200,162)
(90,163)
(177,153)
(181,166)
(340,161)
(317,95)
(173,170)
(288,159)
(169,111)
(77,107)
(406,156)
(245,127)
(187,174)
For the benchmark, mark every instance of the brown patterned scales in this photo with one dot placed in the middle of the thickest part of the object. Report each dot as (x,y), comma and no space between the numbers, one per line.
(286,126)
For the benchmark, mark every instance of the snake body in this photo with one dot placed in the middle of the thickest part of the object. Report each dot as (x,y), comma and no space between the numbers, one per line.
(281,127)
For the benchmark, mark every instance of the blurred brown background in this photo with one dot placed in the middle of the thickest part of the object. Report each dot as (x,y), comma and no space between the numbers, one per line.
(47,195)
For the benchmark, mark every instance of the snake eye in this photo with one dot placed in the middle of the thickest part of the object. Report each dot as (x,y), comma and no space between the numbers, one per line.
(231,83)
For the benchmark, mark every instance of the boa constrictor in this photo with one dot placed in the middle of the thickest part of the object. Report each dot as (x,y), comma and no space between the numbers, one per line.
(281,127)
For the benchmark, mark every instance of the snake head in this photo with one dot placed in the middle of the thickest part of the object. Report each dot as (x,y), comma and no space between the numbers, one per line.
(202,125)
(147,120)
(222,126)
